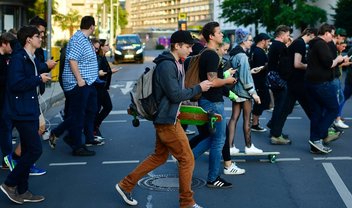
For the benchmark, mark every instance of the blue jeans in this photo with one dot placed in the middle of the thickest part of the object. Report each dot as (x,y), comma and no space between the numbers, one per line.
(215,142)
(280,112)
(339,94)
(81,114)
(324,108)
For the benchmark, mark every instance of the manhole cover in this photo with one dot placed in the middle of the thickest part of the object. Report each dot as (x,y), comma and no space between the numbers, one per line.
(166,182)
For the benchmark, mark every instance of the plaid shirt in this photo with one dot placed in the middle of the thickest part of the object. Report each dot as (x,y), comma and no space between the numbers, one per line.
(81,50)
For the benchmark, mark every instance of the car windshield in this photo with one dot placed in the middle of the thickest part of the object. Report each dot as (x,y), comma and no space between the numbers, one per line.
(125,40)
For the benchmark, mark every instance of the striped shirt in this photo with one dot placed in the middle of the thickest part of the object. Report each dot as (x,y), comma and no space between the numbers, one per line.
(81,50)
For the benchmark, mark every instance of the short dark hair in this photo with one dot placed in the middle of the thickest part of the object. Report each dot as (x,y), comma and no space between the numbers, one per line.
(26,32)
(281,29)
(325,27)
(37,21)
(6,37)
(309,31)
(208,29)
(86,22)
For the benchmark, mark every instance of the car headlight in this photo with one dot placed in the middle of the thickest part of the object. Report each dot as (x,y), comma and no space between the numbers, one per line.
(118,52)
(139,51)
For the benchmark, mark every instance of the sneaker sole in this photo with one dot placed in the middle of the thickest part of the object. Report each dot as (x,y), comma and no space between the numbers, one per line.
(8,196)
(37,174)
(258,130)
(119,190)
(219,187)
(32,200)
(235,173)
(321,150)
(280,143)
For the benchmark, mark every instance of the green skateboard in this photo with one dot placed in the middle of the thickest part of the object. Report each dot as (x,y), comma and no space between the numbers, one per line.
(195,115)
(271,155)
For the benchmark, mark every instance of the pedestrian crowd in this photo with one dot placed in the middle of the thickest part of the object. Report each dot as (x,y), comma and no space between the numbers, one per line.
(255,73)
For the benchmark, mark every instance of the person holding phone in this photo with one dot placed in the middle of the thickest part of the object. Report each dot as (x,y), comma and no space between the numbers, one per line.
(259,58)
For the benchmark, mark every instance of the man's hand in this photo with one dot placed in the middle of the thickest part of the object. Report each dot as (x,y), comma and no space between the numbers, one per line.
(45,77)
(51,64)
(102,73)
(231,80)
(81,83)
(256,98)
(205,85)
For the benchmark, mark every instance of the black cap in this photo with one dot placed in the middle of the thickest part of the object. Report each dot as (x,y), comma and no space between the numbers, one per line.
(182,36)
(261,36)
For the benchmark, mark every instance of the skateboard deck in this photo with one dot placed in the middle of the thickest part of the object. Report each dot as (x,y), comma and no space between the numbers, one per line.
(271,155)
(195,115)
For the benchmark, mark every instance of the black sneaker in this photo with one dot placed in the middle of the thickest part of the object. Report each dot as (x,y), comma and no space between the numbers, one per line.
(219,183)
(29,197)
(258,128)
(95,142)
(127,197)
(314,150)
(82,151)
(11,193)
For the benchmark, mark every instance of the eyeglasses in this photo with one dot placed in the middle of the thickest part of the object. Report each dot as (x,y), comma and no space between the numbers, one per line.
(37,36)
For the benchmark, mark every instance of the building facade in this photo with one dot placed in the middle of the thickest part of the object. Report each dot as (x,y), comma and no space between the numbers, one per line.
(149,15)
(13,13)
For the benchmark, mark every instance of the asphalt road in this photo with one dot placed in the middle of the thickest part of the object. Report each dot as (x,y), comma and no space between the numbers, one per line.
(297,179)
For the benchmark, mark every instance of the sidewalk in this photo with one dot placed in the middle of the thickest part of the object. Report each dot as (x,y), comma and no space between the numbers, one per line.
(53,93)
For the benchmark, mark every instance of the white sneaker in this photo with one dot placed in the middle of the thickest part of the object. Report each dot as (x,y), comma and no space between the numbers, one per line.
(189,132)
(233,170)
(234,150)
(341,124)
(46,135)
(252,150)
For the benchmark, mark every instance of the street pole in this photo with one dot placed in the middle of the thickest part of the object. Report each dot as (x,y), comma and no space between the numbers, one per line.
(48,30)
(111,24)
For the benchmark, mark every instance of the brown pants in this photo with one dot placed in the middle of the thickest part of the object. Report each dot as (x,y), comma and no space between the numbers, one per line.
(169,139)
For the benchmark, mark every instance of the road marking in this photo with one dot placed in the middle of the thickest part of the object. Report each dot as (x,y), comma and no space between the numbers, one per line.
(118,112)
(68,164)
(287,159)
(120,162)
(340,186)
(115,121)
(332,158)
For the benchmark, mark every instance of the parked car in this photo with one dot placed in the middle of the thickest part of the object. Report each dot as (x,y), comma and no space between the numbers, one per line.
(129,48)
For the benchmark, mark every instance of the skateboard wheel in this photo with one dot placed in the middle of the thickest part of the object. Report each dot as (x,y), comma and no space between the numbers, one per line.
(135,122)
(272,158)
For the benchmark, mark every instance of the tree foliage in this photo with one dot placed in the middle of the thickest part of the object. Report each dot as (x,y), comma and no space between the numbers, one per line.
(69,21)
(39,8)
(271,13)
(343,15)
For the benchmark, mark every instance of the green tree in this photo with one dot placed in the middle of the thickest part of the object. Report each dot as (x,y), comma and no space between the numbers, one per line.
(40,8)
(271,13)
(70,21)
(343,15)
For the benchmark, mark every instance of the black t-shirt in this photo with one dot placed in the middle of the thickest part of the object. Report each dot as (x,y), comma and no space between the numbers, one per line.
(298,46)
(276,48)
(210,62)
(258,58)
(333,49)
(3,77)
